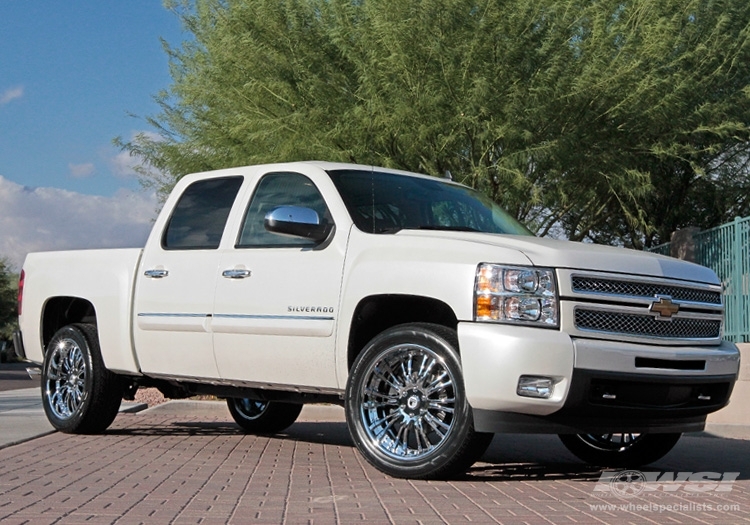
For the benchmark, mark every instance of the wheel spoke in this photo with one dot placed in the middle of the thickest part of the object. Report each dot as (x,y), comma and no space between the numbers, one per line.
(389,420)
(406,367)
(422,439)
(611,442)
(71,402)
(442,405)
(424,371)
(56,401)
(439,383)
(53,374)
(390,398)
(397,445)
(390,379)
(437,424)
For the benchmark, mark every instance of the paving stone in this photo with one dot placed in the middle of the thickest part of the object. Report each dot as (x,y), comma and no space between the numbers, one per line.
(189,467)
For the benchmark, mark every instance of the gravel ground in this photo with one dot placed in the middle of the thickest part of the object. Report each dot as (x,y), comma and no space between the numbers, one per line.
(150,396)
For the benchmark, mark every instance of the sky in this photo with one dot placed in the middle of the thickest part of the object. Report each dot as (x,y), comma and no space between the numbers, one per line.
(72,75)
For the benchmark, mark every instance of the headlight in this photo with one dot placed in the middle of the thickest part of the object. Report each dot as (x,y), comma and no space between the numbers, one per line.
(515,294)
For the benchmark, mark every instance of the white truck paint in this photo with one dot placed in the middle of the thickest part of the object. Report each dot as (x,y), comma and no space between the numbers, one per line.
(221,301)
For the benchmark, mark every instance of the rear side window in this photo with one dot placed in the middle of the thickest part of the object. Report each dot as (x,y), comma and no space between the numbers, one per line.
(199,218)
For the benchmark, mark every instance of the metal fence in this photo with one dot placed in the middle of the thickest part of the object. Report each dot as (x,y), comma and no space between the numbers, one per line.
(726,250)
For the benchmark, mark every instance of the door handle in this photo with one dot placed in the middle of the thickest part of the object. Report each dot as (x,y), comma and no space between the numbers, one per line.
(156,273)
(236,273)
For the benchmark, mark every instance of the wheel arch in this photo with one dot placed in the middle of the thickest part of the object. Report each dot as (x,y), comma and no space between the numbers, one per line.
(62,311)
(377,313)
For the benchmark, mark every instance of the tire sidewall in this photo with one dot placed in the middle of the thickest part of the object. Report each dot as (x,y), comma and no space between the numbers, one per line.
(275,417)
(72,423)
(438,460)
(239,414)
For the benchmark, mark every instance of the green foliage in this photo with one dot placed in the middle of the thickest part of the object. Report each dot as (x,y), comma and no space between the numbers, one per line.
(616,121)
(8,300)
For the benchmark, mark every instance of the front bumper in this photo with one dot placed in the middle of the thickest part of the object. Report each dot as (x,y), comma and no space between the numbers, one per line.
(599,385)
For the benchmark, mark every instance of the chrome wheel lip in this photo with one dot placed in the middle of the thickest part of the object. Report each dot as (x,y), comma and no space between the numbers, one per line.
(65,379)
(408,403)
(614,442)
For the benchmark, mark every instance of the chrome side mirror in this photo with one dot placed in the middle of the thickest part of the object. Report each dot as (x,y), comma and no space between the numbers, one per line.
(296,221)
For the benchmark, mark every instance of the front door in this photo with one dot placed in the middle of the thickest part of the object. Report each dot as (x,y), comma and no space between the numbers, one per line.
(277,296)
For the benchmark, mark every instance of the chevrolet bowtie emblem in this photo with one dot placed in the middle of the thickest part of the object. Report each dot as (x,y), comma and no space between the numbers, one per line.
(664,307)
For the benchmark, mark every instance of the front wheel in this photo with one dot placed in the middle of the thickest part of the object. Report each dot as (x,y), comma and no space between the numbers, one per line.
(406,408)
(619,449)
(79,395)
(262,417)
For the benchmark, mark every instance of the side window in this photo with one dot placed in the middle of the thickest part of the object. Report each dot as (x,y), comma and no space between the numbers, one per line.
(200,215)
(275,190)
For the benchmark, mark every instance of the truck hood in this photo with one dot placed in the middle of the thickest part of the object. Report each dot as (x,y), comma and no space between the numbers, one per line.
(581,256)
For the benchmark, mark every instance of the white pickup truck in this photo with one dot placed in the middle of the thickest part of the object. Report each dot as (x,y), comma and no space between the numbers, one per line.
(423,308)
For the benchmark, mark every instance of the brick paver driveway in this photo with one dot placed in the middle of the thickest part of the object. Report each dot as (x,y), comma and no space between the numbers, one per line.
(181,465)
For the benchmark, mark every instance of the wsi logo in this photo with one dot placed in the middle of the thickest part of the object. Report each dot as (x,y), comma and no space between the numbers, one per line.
(631,483)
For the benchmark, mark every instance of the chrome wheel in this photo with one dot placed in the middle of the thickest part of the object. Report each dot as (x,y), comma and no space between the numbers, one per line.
(406,407)
(65,382)
(250,409)
(262,417)
(79,394)
(408,402)
(620,449)
(610,442)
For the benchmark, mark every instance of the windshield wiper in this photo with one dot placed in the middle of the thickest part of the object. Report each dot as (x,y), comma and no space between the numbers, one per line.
(390,229)
(448,228)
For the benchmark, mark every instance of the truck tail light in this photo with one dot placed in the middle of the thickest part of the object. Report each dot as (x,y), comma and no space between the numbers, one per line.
(20,292)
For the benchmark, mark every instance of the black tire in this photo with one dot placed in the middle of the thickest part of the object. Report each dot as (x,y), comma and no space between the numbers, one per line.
(619,449)
(262,417)
(79,395)
(406,407)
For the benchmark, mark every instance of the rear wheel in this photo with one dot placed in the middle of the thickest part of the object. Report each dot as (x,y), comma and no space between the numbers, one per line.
(79,395)
(619,449)
(262,417)
(406,408)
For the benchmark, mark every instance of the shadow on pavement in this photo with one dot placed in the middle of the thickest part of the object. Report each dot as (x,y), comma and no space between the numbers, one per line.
(510,457)
(532,456)
(327,433)
(531,471)
(707,454)
(179,429)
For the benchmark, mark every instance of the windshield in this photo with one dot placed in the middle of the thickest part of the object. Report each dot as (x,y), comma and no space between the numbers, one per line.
(386,203)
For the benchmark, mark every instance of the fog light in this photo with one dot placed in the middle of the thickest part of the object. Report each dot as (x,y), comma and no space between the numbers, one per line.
(535,386)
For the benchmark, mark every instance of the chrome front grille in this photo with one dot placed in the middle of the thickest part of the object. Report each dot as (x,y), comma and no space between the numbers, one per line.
(646,325)
(644,309)
(644,289)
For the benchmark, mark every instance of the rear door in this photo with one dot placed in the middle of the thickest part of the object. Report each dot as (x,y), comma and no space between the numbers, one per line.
(177,281)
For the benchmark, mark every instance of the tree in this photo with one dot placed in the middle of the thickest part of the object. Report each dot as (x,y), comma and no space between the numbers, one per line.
(616,121)
(8,301)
